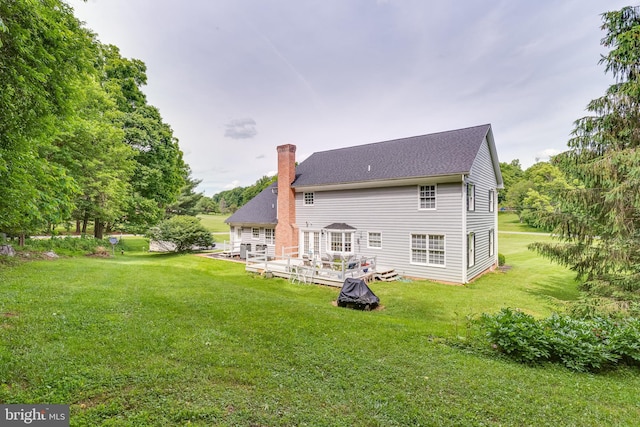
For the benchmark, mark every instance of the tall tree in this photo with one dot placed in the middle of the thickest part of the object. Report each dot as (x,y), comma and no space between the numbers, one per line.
(598,223)
(511,174)
(91,147)
(535,194)
(159,172)
(188,198)
(43,49)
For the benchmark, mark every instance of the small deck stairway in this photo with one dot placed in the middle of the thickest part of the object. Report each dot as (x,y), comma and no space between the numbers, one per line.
(385,274)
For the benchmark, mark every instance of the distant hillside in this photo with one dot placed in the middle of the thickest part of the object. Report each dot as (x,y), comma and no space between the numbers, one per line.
(231,200)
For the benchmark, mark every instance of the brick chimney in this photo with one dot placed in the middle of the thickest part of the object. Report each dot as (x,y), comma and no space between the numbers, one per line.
(286,229)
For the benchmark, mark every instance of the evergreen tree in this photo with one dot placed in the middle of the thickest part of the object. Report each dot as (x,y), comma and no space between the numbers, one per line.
(598,223)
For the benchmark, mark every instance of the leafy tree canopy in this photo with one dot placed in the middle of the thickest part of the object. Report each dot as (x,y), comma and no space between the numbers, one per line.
(183,231)
(231,200)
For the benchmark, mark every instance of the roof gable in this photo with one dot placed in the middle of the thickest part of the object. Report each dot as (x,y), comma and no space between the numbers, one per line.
(262,209)
(437,154)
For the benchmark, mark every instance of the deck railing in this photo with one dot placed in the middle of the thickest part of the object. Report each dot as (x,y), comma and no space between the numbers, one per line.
(307,268)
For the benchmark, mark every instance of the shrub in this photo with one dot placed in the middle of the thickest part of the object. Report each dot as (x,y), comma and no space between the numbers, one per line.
(501,260)
(67,245)
(516,334)
(579,344)
(183,231)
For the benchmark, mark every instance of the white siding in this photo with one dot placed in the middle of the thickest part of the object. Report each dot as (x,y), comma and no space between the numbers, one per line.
(482,220)
(247,238)
(394,212)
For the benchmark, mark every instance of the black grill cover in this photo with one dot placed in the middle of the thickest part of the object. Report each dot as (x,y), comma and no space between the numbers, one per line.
(355,293)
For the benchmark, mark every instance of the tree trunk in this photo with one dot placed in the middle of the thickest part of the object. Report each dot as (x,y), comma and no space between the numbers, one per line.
(85,221)
(98,229)
(78,229)
(21,240)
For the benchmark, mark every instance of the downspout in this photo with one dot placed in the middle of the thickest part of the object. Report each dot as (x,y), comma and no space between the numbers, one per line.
(465,253)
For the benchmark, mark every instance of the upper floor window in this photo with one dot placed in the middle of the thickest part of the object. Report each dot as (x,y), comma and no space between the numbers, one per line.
(308,199)
(492,200)
(427,195)
(471,197)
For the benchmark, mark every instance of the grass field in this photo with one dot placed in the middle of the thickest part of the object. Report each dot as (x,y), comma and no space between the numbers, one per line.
(214,223)
(147,339)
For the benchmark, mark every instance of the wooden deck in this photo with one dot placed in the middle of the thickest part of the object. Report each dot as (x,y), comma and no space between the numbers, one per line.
(331,273)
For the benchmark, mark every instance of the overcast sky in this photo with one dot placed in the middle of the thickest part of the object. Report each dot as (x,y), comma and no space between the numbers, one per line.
(236,78)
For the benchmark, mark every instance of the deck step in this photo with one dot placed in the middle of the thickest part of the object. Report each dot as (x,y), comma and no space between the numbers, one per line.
(387,275)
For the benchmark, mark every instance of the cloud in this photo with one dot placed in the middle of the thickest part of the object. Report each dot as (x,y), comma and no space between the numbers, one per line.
(241,129)
(232,185)
(546,154)
(549,152)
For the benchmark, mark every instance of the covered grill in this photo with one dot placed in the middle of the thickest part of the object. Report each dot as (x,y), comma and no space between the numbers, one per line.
(356,294)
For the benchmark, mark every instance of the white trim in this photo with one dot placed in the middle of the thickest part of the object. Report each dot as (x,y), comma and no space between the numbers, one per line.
(380,184)
(435,197)
(304,198)
(492,200)
(253,237)
(374,247)
(471,251)
(427,264)
(329,249)
(471,199)
(463,205)
(492,242)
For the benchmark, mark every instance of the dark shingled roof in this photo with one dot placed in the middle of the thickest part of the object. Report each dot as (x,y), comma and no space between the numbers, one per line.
(339,226)
(262,209)
(436,154)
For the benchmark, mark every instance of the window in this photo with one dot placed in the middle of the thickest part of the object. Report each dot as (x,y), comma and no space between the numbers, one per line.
(239,232)
(471,197)
(340,241)
(492,200)
(374,240)
(436,250)
(492,243)
(471,250)
(305,243)
(269,236)
(427,249)
(419,248)
(308,199)
(427,195)
(316,243)
(255,233)
(311,242)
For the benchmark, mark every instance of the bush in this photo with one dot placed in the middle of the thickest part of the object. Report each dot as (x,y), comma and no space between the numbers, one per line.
(66,245)
(501,260)
(579,344)
(185,232)
(516,334)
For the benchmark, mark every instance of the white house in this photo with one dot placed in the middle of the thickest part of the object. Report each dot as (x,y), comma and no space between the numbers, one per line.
(425,205)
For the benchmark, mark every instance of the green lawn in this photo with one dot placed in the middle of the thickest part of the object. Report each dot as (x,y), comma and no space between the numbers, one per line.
(148,339)
(214,223)
(508,221)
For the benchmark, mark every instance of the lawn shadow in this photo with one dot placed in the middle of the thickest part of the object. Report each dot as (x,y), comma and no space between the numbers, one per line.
(555,288)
